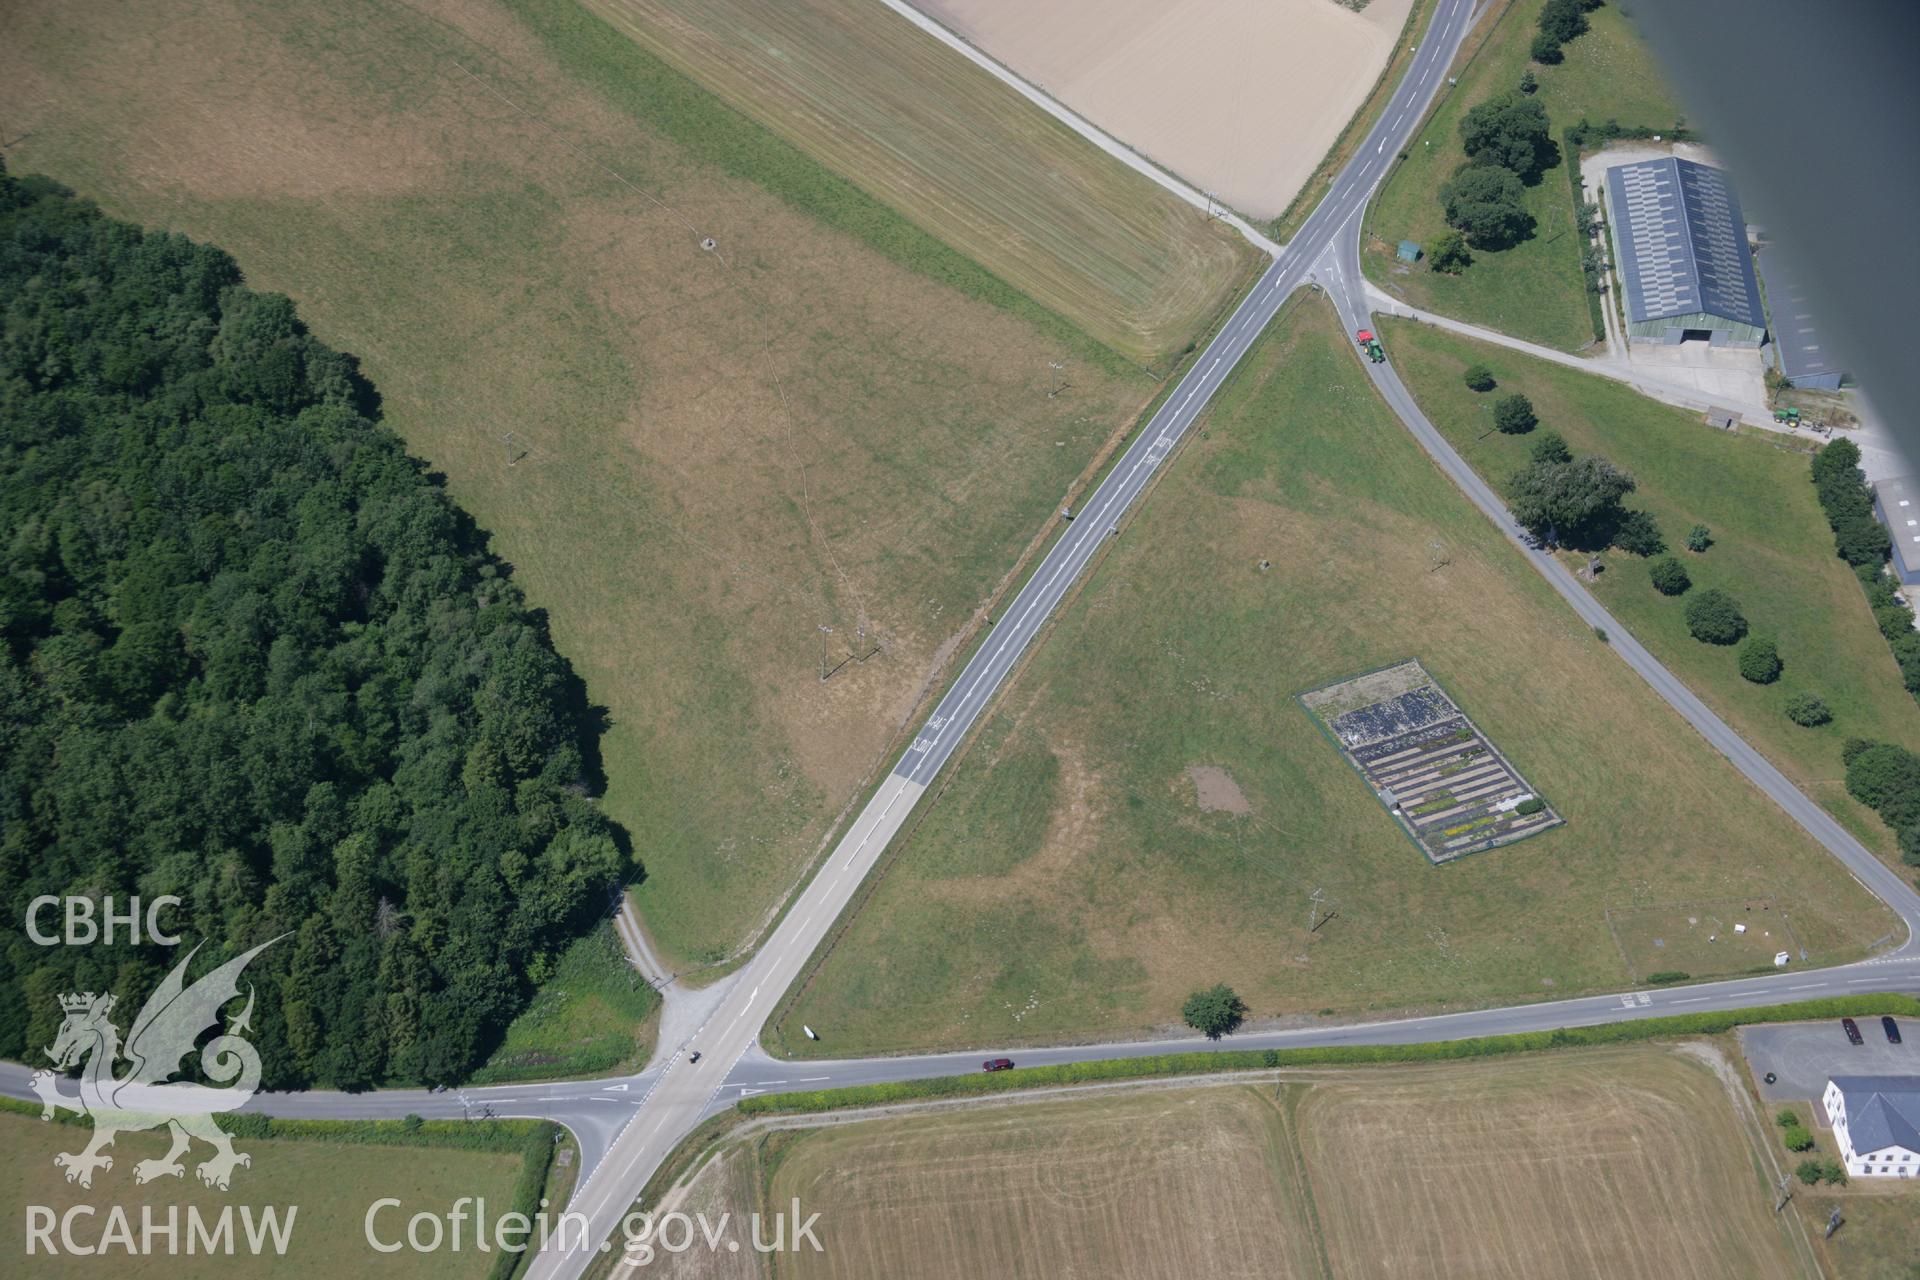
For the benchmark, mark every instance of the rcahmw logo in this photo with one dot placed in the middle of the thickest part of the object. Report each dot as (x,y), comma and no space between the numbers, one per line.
(164,1032)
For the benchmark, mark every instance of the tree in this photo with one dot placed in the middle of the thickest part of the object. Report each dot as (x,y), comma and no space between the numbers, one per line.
(252,655)
(1550,446)
(1514,415)
(1528,81)
(1860,539)
(1575,503)
(1478,378)
(1447,253)
(1564,19)
(1699,538)
(1214,1012)
(1886,778)
(1836,457)
(1760,660)
(1639,533)
(1808,710)
(1714,617)
(1669,576)
(1545,50)
(1808,1171)
(1488,204)
(1510,131)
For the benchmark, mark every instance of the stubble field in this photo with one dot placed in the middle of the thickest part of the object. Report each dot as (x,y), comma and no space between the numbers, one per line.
(1241,98)
(1631,1162)
(695,459)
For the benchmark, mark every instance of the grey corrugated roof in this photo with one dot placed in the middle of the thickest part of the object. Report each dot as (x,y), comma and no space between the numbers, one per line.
(1683,242)
(1802,353)
(1882,1111)
(1897,502)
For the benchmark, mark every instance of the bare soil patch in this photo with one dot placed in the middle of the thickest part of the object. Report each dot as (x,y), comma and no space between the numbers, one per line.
(1216,791)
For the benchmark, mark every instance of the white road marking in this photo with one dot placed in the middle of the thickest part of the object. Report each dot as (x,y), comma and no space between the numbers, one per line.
(1808,986)
(1692,1000)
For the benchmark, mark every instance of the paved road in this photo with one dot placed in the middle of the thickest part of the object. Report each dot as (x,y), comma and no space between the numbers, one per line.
(757,1073)
(687,1090)
(627,1127)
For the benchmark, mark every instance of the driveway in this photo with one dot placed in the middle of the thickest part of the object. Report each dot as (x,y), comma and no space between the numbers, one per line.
(1804,1054)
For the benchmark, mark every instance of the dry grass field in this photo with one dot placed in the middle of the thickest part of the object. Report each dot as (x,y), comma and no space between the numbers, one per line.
(1625,1162)
(1067,882)
(1240,97)
(914,123)
(831,420)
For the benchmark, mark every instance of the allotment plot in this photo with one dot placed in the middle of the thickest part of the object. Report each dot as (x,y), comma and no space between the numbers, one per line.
(1436,773)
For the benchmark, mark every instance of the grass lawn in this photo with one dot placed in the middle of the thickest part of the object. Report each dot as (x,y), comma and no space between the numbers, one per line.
(327,1185)
(695,460)
(1068,883)
(1534,290)
(1629,1162)
(593,1016)
(1772,551)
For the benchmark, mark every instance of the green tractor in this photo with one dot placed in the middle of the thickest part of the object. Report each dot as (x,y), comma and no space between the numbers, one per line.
(1789,416)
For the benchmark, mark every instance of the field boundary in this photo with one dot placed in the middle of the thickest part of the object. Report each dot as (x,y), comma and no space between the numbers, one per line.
(1205,1062)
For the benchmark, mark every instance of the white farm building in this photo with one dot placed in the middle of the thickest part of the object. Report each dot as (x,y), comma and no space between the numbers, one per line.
(1876,1121)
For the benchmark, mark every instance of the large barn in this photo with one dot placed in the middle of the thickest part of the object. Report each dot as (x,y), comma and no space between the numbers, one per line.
(1680,249)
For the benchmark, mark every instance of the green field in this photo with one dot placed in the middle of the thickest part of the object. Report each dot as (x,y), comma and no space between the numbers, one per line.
(331,1185)
(1534,290)
(1068,883)
(592,1016)
(1772,551)
(694,460)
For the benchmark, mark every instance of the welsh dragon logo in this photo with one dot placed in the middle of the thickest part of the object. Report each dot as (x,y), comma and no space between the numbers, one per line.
(173,1019)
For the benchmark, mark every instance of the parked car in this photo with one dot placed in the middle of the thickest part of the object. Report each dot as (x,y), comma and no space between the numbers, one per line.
(998,1064)
(1852,1029)
(1892,1028)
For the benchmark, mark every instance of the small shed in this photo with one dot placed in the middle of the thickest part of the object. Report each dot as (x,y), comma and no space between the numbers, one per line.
(1408,251)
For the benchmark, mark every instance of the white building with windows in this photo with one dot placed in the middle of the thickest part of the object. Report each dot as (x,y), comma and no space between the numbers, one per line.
(1876,1121)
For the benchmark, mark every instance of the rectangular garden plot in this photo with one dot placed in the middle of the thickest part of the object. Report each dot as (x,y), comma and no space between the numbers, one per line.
(1429,765)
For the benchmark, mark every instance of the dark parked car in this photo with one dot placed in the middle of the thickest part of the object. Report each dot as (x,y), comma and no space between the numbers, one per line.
(998,1064)
(1892,1028)
(1852,1029)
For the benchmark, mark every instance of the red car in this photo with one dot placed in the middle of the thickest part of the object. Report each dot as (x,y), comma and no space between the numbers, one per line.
(998,1064)
(1363,336)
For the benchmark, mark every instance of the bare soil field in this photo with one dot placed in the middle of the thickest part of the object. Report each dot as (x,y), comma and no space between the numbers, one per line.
(1239,97)
(694,459)
(914,123)
(1636,1161)
(1067,884)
